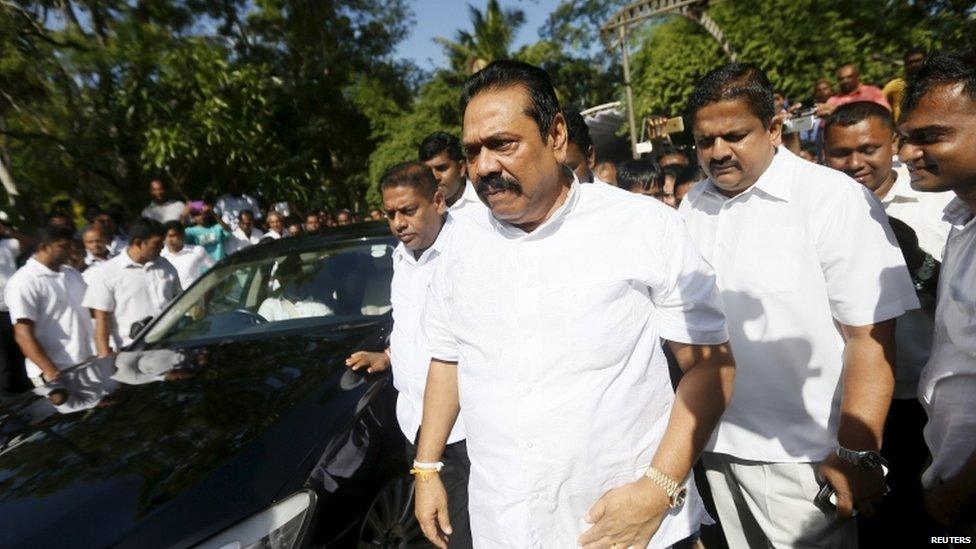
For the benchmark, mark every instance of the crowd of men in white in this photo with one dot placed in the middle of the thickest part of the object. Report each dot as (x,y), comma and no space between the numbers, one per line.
(535,316)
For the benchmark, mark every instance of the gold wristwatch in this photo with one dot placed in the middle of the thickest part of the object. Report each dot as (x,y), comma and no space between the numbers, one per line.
(677,493)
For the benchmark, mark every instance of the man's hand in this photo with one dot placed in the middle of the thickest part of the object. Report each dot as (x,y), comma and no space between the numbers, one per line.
(626,516)
(51,373)
(430,506)
(824,110)
(373,362)
(855,488)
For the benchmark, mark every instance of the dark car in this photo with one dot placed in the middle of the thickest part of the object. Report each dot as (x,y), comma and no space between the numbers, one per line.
(230,422)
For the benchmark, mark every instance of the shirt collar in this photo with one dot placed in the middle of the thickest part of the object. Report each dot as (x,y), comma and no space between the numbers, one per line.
(957,213)
(776,181)
(401,252)
(469,195)
(549,225)
(40,269)
(127,261)
(901,190)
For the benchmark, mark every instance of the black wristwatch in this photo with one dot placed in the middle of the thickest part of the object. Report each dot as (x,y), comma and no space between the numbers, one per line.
(865,460)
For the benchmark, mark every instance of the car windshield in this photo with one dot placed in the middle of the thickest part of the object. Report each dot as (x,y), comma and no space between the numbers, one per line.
(294,290)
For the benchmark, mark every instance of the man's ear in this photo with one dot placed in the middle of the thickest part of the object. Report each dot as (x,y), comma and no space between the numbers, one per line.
(559,137)
(591,157)
(464,168)
(776,130)
(439,201)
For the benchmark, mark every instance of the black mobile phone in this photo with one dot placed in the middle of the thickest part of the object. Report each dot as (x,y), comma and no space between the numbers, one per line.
(822,498)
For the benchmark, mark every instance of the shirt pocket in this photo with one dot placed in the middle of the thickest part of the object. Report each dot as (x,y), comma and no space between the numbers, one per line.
(592,325)
(768,259)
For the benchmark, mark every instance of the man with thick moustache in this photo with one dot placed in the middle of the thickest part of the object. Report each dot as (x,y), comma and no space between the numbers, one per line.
(812,280)
(544,321)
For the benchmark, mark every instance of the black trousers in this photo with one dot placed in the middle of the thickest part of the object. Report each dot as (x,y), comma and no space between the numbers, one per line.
(13,374)
(900,519)
(454,475)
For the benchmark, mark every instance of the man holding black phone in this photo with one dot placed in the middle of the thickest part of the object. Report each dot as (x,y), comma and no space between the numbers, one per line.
(812,280)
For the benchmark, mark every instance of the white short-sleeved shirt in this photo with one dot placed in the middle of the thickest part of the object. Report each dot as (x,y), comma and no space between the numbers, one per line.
(52,301)
(229,207)
(920,211)
(9,250)
(802,248)
(131,292)
(408,348)
(563,382)
(171,210)
(945,388)
(191,262)
(238,240)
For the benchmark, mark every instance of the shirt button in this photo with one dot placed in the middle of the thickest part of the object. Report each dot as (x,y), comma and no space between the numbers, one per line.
(529,445)
(528,389)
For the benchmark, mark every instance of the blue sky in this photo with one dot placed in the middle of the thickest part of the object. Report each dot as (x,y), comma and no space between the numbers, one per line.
(444,17)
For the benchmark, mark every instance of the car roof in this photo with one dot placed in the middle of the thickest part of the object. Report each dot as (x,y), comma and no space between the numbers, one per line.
(311,241)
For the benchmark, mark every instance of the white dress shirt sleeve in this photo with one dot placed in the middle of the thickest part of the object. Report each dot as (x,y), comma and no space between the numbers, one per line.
(867,281)
(435,324)
(20,300)
(688,307)
(99,296)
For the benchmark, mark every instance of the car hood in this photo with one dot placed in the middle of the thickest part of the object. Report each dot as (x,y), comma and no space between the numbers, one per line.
(131,442)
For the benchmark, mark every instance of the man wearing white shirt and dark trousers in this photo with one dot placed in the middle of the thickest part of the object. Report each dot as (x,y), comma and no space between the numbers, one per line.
(441,152)
(51,326)
(131,287)
(544,319)
(938,144)
(414,205)
(812,280)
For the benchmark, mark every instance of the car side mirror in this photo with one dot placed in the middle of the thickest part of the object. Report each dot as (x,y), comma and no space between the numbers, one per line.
(138,325)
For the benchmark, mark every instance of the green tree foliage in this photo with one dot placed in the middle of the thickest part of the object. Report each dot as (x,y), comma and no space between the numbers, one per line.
(436,106)
(491,37)
(96,96)
(796,42)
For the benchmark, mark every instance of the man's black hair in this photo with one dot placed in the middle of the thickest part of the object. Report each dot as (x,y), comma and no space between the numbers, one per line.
(174,226)
(292,220)
(438,142)
(543,105)
(579,132)
(941,69)
(639,174)
(144,228)
(858,111)
(734,81)
(243,212)
(48,235)
(410,174)
(686,174)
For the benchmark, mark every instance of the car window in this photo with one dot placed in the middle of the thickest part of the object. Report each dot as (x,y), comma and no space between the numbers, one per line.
(282,292)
